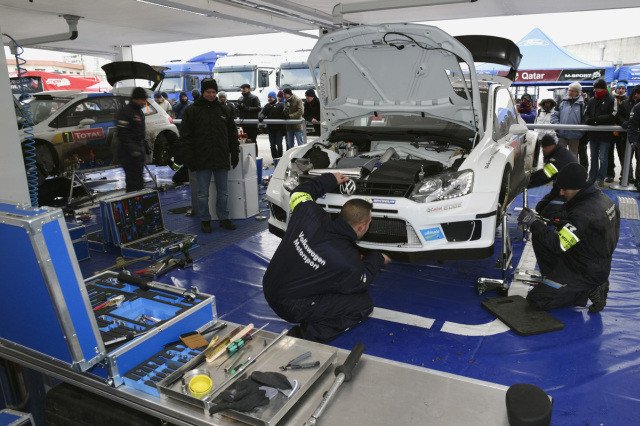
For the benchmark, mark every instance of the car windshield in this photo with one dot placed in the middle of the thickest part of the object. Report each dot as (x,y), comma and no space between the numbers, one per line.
(171,85)
(41,109)
(231,81)
(296,78)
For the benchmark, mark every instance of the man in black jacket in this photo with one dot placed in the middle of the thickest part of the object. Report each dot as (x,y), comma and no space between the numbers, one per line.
(312,111)
(633,132)
(576,260)
(210,147)
(249,107)
(274,110)
(317,277)
(601,111)
(131,145)
(619,140)
(556,157)
(624,114)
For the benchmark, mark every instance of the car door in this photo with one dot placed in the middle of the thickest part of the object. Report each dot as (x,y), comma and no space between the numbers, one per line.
(504,116)
(86,128)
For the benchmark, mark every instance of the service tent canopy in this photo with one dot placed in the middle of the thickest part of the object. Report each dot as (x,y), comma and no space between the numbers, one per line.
(631,73)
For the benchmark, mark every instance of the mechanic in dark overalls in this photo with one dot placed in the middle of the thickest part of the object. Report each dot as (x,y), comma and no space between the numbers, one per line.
(131,134)
(556,157)
(317,277)
(576,260)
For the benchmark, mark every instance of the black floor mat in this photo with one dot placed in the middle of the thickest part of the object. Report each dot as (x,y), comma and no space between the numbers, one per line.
(520,317)
(179,210)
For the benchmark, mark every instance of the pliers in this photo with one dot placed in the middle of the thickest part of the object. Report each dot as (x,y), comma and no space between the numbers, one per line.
(294,364)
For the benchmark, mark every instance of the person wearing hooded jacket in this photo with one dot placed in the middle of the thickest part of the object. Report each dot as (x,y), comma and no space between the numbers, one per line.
(570,111)
(601,111)
(543,117)
(317,277)
(575,261)
(181,105)
(619,140)
(131,144)
(526,110)
(210,147)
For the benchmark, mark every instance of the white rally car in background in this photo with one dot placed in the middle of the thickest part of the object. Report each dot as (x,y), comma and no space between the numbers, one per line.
(77,129)
(439,150)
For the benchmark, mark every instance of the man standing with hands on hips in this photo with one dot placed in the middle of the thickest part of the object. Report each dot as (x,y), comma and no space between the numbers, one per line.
(210,147)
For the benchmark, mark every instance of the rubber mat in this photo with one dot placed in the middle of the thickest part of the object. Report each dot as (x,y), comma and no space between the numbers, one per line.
(520,317)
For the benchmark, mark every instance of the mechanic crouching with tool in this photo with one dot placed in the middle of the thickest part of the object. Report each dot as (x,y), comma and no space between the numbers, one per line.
(556,157)
(576,260)
(317,277)
(131,144)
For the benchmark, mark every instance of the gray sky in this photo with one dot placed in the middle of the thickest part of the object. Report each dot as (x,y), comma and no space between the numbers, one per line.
(563,28)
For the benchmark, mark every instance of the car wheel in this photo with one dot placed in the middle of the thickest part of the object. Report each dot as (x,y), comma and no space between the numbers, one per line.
(45,158)
(162,150)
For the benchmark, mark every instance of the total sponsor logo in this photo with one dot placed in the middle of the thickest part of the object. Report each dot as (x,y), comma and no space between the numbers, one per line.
(432,234)
(87,135)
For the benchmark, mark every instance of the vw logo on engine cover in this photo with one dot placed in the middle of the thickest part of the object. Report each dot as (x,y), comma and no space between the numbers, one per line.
(348,187)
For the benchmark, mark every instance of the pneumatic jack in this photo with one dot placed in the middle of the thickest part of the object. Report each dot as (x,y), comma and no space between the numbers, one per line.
(501,286)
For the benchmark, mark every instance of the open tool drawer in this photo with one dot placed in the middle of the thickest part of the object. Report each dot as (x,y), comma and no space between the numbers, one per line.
(144,322)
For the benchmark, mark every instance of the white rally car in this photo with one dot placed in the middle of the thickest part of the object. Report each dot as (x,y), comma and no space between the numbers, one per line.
(439,150)
(77,129)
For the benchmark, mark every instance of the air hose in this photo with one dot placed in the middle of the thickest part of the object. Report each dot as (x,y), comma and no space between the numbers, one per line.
(27,125)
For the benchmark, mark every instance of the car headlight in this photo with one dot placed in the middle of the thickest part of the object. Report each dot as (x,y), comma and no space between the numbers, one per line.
(443,186)
(291,178)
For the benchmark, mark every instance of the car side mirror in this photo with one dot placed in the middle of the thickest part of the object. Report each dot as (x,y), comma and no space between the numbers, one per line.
(518,129)
(86,122)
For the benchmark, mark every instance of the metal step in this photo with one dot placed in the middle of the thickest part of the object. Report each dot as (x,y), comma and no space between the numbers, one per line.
(628,208)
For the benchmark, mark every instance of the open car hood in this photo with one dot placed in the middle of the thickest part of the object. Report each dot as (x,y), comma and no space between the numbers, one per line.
(129,70)
(401,69)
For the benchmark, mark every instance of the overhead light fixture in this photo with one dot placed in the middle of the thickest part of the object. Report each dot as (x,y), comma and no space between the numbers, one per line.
(373,5)
(178,6)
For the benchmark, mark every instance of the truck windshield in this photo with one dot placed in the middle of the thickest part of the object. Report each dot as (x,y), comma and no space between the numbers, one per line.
(231,81)
(296,79)
(171,85)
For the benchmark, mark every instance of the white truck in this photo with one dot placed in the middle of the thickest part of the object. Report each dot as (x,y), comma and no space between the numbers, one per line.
(259,71)
(294,73)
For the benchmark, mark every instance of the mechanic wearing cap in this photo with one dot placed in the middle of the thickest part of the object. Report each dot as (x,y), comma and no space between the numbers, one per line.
(556,157)
(274,110)
(633,132)
(619,140)
(249,108)
(601,111)
(317,277)
(131,144)
(576,260)
(210,147)
(312,111)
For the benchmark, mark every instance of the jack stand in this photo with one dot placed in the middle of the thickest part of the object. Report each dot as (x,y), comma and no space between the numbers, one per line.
(503,263)
(525,205)
(260,215)
(77,179)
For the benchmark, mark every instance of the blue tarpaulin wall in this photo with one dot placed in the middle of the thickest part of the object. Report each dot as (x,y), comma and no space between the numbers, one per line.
(591,368)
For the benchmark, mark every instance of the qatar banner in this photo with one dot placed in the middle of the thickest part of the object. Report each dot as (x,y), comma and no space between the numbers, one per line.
(537,76)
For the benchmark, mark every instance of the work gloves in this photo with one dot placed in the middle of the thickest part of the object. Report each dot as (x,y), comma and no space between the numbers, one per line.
(527,217)
(235,159)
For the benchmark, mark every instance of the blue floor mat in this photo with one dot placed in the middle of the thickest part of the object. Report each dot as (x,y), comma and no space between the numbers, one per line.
(591,368)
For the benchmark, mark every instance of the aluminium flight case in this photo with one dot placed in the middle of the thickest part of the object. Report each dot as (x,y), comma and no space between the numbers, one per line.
(136,225)
(78,234)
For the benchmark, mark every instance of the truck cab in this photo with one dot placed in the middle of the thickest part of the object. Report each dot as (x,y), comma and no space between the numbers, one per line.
(185,76)
(294,73)
(259,71)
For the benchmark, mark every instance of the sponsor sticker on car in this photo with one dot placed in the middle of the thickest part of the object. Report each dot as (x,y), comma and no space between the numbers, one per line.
(88,134)
(432,234)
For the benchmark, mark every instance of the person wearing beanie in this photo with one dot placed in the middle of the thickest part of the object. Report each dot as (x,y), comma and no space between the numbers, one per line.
(249,108)
(210,148)
(574,260)
(543,116)
(162,103)
(601,110)
(526,110)
(195,94)
(222,98)
(280,96)
(131,140)
(274,110)
(556,157)
(619,140)
(312,111)
(182,104)
(294,110)
(570,111)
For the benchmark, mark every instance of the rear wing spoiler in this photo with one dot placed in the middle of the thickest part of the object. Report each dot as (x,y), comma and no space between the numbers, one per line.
(495,50)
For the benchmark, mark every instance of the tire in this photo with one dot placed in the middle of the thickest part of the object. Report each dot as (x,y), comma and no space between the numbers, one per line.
(163,147)
(46,160)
